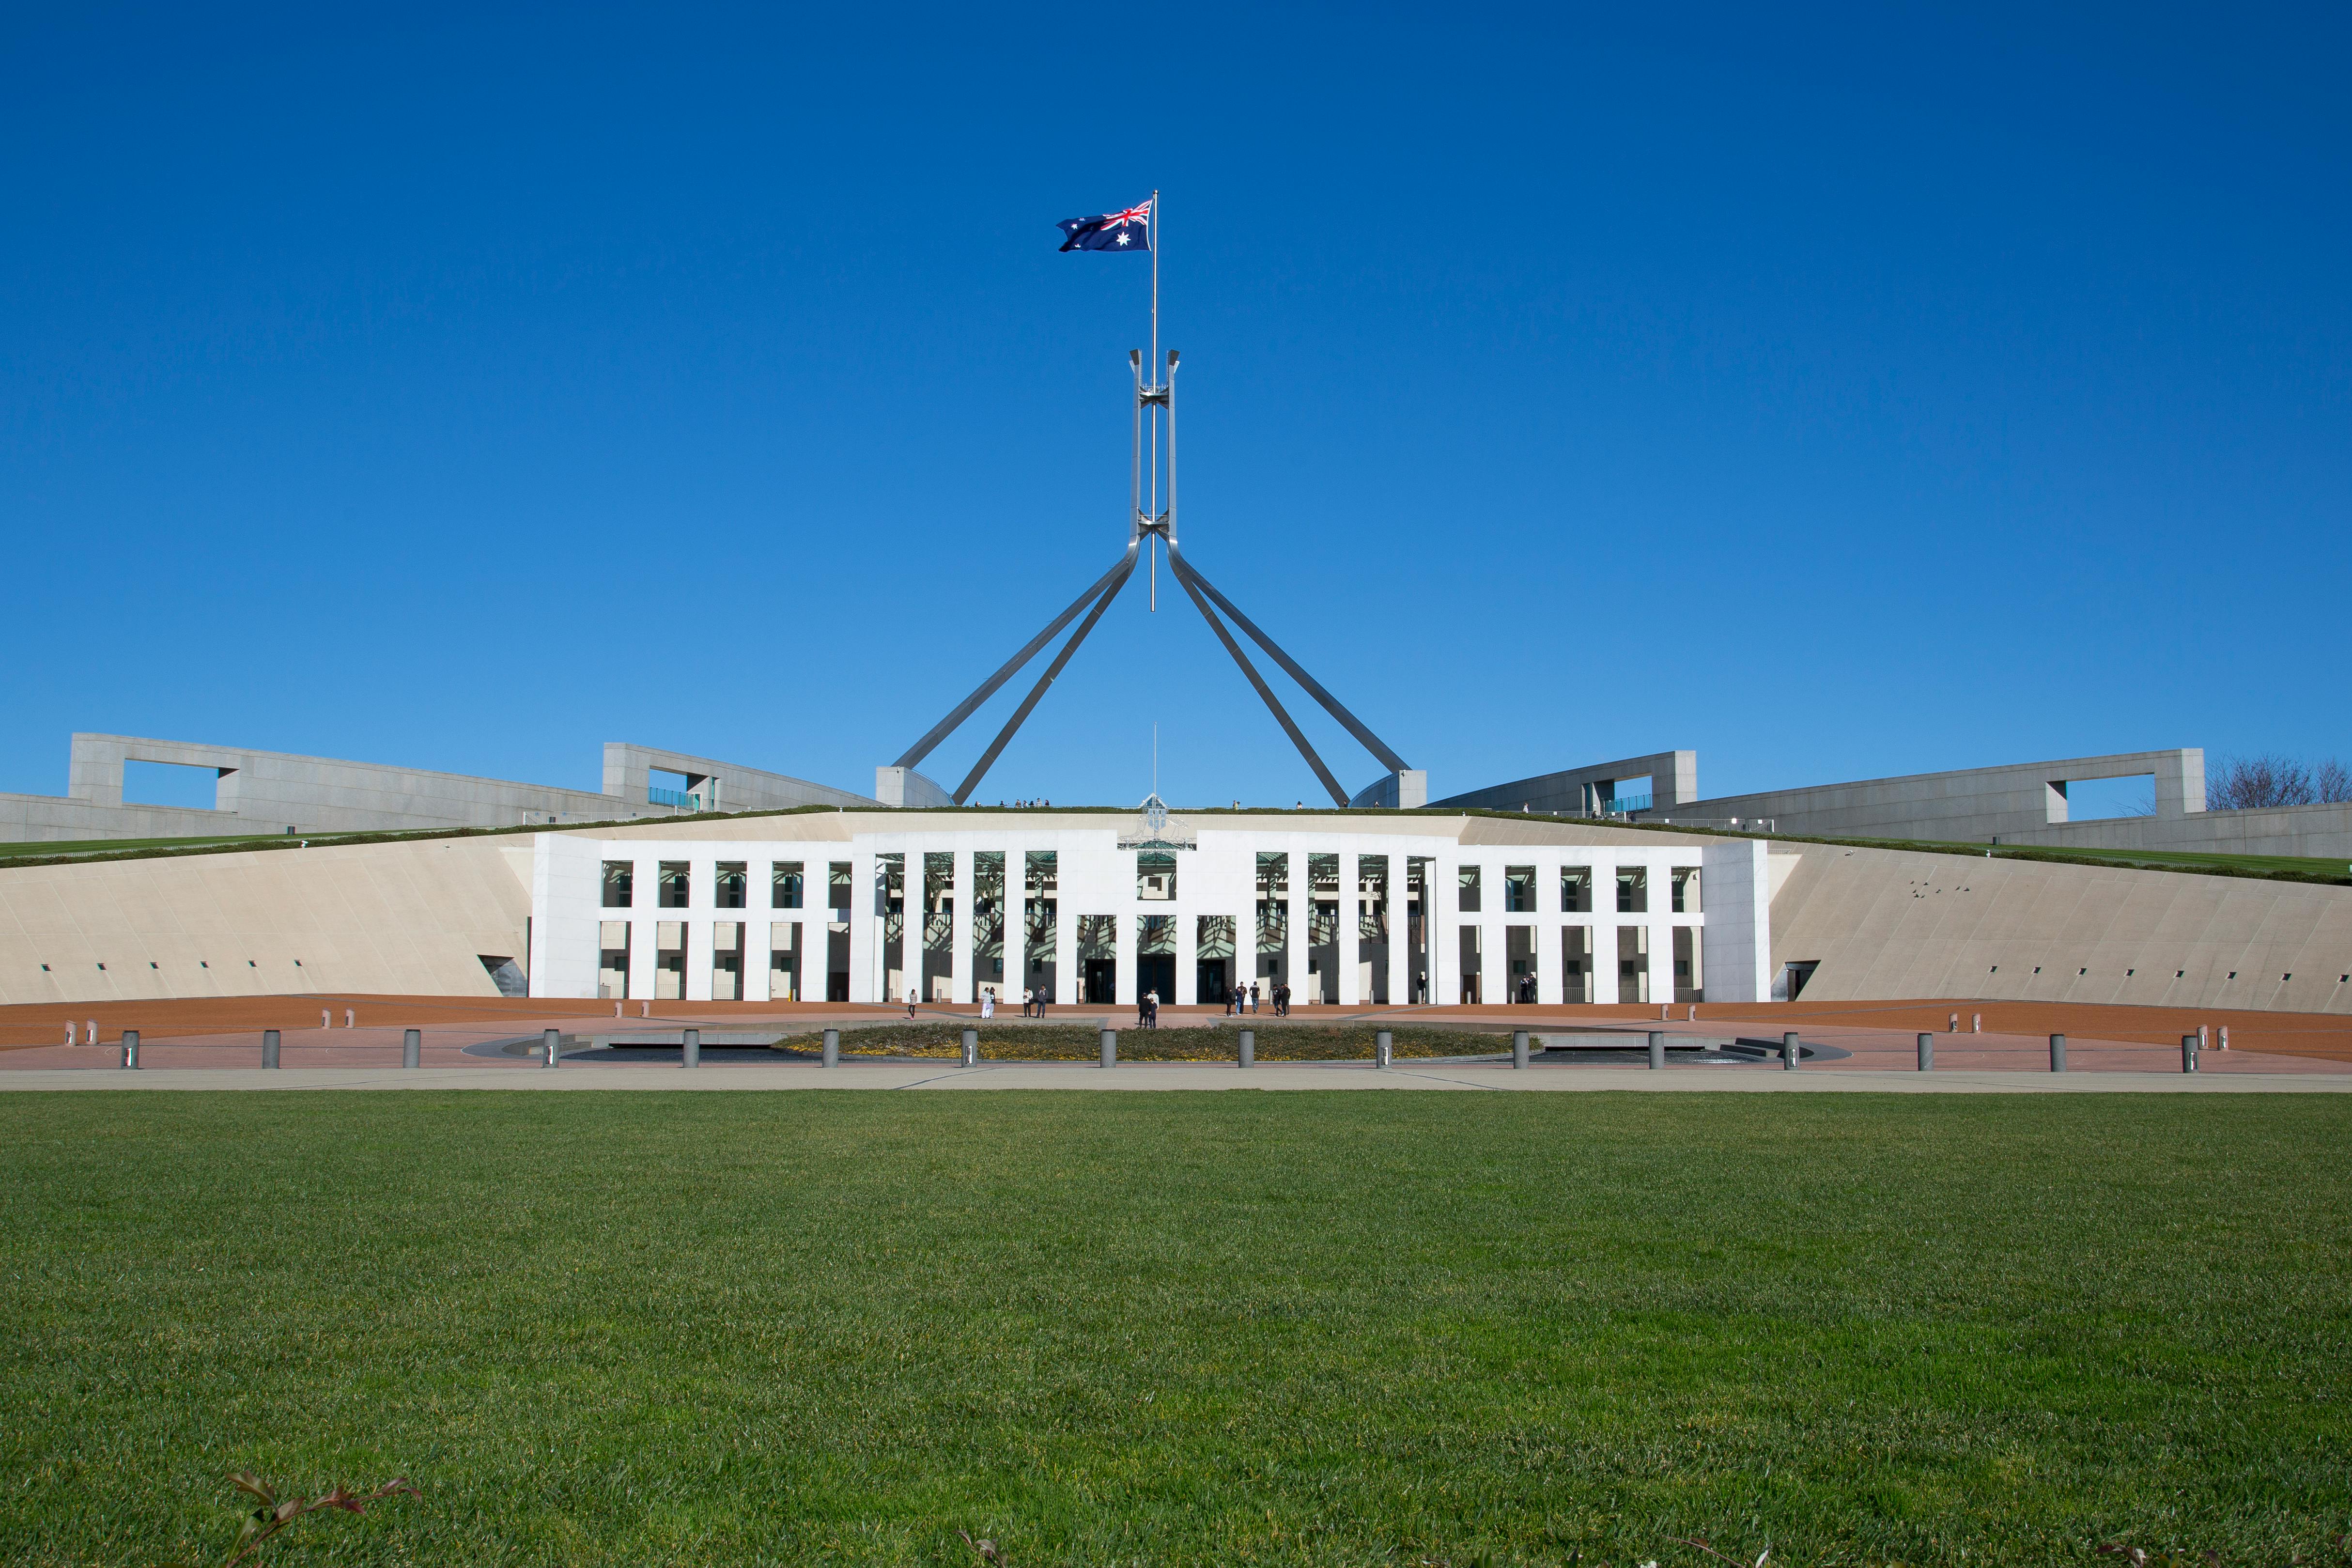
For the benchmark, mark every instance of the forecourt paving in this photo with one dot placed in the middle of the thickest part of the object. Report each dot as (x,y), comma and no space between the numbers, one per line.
(1418,1074)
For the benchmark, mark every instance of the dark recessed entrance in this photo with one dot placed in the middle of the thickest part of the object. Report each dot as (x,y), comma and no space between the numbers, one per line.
(1156,972)
(1102,981)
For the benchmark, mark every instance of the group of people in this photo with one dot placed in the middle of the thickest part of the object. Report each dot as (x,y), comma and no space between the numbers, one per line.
(1245,999)
(1147,1010)
(1033,1002)
(1029,805)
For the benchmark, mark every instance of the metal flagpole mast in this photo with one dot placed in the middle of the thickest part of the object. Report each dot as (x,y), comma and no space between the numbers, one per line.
(1151,233)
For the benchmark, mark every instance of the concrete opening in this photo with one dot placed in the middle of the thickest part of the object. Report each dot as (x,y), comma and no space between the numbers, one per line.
(670,961)
(1632,890)
(785,885)
(988,922)
(1273,918)
(1689,983)
(676,885)
(2100,800)
(187,785)
(1212,960)
(1519,955)
(839,892)
(1576,963)
(1373,932)
(731,887)
(1685,890)
(1040,886)
(890,891)
(1155,876)
(504,973)
(1632,963)
(1416,926)
(1518,889)
(1466,890)
(1099,958)
(1790,983)
(784,961)
(936,928)
(1323,931)
(1576,889)
(1155,957)
(727,961)
(1472,955)
(613,963)
(620,884)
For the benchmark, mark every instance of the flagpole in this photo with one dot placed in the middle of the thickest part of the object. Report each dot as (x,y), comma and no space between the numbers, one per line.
(1151,233)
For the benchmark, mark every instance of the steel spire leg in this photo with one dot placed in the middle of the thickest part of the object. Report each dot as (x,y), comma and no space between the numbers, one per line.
(1116,579)
(946,727)
(1354,725)
(1183,575)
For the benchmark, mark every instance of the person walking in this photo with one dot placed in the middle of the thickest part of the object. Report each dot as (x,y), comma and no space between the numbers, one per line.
(910,999)
(1255,992)
(988,1005)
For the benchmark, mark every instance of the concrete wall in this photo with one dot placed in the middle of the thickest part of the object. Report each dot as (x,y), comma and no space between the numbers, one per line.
(1969,805)
(368,918)
(2323,831)
(1901,923)
(277,792)
(1579,791)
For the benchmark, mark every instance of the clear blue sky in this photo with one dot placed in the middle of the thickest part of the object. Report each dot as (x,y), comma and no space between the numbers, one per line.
(1835,393)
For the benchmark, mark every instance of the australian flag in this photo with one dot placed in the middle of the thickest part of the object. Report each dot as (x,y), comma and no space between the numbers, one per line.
(1128,230)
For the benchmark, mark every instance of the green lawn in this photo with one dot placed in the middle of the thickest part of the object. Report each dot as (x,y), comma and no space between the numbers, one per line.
(1157,1328)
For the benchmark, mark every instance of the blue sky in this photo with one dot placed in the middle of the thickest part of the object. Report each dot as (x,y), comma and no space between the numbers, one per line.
(1835,393)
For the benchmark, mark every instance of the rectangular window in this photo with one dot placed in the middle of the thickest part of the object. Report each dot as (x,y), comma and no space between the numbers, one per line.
(675,885)
(1576,963)
(1576,889)
(784,886)
(1685,890)
(612,962)
(727,961)
(837,891)
(1633,893)
(1041,911)
(1466,898)
(1518,889)
(1471,953)
(1155,875)
(620,884)
(1633,963)
(988,918)
(670,961)
(1273,874)
(784,962)
(1689,983)
(732,885)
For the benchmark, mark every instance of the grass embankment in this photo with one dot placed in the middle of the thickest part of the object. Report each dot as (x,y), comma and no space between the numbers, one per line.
(1277,1041)
(1164,1328)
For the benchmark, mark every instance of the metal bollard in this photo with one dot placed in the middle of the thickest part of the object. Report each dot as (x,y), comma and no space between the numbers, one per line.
(351,1017)
(644,1009)
(1383,1046)
(1657,1049)
(616,1009)
(1518,1048)
(90,1031)
(972,1047)
(690,1051)
(326,1020)
(1110,1048)
(551,1043)
(1249,1048)
(411,1048)
(1791,1048)
(2225,1037)
(833,1048)
(1928,1052)
(2187,1053)
(1976,1023)
(130,1049)
(2057,1053)
(269,1047)
(1956,1024)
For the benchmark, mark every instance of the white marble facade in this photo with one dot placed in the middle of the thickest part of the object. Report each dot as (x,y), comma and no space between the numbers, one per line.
(581,947)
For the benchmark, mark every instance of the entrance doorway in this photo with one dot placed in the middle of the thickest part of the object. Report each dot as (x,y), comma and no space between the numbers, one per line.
(1102,981)
(1156,972)
(1211,974)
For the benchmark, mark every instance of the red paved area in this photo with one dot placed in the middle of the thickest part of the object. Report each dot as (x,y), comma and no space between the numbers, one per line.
(226,1031)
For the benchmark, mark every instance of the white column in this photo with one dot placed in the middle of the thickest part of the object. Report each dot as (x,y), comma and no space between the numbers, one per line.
(759,943)
(1350,901)
(1445,922)
(1066,957)
(865,928)
(1188,954)
(698,956)
(1245,925)
(963,968)
(1122,949)
(1399,930)
(1493,956)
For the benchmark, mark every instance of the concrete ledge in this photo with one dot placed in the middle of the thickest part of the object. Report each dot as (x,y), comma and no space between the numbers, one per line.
(1406,1075)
